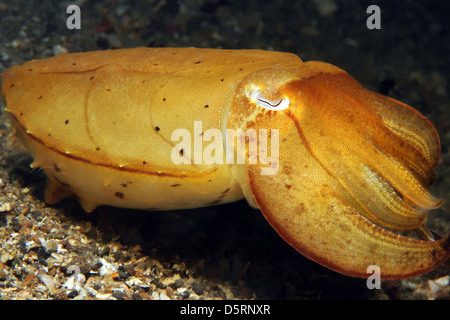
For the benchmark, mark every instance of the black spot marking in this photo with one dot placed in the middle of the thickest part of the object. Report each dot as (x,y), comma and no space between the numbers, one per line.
(67,121)
(97,149)
(40,97)
(181,152)
(176,185)
(214,202)
(57,169)
(220,198)
(164,99)
(157,128)
(207,106)
(74,64)
(144,162)
(197,62)
(222,79)
(124,185)
(92,78)
(118,195)
(30,69)
(12,85)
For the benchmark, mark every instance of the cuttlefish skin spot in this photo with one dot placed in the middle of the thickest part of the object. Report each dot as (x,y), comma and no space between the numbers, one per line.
(352,164)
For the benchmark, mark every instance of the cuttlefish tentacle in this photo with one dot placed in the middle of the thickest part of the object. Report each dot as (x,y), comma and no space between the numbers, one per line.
(353,144)
(346,176)
(403,120)
(415,128)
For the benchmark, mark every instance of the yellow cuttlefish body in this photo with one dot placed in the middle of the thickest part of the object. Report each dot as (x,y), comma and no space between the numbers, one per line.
(334,168)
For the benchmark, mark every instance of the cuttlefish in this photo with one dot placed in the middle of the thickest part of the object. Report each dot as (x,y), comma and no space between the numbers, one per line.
(336,169)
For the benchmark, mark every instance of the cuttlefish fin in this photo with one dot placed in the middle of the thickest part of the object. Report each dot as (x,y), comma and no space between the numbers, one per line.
(56,190)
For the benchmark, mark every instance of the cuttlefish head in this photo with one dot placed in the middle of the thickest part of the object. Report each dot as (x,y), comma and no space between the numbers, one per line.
(352,169)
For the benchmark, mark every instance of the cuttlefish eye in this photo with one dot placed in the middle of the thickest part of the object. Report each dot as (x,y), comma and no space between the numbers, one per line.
(262,101)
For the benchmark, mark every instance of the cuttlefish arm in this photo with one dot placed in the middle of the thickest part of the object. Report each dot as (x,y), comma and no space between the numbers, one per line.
(353,165)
